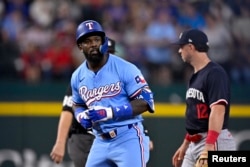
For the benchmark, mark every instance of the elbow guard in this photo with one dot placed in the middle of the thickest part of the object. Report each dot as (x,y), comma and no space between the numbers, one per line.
(147,95)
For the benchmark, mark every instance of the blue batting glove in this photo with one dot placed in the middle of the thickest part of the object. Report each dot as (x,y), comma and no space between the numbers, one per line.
(86,123)
(83,119)
(100,113)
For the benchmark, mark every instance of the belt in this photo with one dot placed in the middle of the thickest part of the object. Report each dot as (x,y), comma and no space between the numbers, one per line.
(195,138)
(78,131)
(113,133)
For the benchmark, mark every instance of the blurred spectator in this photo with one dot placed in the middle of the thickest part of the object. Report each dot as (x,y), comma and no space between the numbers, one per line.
(20,5)
(67,10)
(57,62)
(134,40)
(38,35)
(13,25)
(90,9)
(117,14)
(240,70)
(42,12)
(142,29)
(236,5)
(240,27)
(160,32)
(220,41)
(29,63)
(189,16)
(140,11)
(221,11)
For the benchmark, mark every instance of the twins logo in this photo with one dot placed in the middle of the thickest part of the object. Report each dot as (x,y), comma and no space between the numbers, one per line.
(196,94)
(96,94)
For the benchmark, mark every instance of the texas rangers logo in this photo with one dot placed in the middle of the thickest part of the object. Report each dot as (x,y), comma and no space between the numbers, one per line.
(96,94)
(89,25)
(140,79)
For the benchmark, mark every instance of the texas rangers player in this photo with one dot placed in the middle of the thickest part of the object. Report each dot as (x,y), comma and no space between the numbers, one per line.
(109,95)
(208,103)
(78,139)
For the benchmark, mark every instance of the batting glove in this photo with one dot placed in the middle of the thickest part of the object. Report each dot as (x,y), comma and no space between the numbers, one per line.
(83,119)
(100,113)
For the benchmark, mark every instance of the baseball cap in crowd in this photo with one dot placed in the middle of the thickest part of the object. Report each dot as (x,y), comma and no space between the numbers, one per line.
(111,45)
(196,37)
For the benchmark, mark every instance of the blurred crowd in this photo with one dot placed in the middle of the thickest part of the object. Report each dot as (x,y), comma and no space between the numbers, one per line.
(37,41)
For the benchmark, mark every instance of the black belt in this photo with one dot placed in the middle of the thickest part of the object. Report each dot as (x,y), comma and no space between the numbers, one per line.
(113,133)
(78,131)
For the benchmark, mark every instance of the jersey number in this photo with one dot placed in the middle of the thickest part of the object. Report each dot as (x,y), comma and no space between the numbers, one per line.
(202,111)
(67,101)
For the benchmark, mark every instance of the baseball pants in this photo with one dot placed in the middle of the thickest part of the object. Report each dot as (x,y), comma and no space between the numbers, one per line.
(225,142)
(128,149)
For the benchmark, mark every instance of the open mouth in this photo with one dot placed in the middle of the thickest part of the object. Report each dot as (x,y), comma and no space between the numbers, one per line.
(94,52)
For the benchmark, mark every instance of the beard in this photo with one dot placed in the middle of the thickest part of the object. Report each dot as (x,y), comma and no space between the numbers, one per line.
(94,56)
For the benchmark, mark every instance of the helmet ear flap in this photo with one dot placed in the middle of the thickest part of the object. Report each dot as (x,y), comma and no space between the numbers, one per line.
(104,47)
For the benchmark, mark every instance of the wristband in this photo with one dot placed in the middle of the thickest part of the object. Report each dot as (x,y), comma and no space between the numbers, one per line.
(78,113)
(122,112)
(79,110)
(212,137)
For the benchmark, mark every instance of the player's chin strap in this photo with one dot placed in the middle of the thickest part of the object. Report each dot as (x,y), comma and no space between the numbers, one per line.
(104,47)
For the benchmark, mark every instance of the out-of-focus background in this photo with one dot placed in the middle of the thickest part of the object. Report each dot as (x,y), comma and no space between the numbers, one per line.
(38,54)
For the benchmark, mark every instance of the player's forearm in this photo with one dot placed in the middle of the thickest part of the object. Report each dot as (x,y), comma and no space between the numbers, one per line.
(63,127)
(216,118)
(139,106)
(119,112)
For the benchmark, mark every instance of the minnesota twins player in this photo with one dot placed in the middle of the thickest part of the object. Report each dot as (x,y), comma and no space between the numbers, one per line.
(109,95)
(207,103)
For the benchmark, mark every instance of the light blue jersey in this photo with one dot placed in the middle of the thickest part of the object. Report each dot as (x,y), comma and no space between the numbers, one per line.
(113,85)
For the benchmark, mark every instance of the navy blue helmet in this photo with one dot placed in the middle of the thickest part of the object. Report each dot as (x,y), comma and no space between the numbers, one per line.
(90,28)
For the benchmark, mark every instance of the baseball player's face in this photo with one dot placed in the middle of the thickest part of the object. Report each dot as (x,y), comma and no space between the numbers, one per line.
(90,48)
(185,52)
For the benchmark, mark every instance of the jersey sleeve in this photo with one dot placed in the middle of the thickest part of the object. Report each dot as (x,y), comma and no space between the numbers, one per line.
(218,87)
(67,101)
(133,79)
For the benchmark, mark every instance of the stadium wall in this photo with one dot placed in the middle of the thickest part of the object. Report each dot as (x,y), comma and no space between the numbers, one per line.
(28,132)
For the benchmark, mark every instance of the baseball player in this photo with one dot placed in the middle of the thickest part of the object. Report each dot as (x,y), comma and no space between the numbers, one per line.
(79,140)
(109,95)
(207,103)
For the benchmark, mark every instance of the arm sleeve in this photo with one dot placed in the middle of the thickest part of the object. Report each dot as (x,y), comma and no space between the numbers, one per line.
(67,101)
(134,80)
(218,87)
